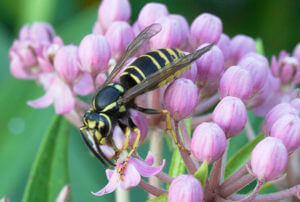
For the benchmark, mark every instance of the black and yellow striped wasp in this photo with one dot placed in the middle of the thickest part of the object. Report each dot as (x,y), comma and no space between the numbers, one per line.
(111,105)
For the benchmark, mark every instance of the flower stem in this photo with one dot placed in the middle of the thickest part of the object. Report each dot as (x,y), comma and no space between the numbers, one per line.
(235,176)
(151,189)
(189,163)
(206,104)
(156,144)
(254,193)
(164,177)
(293,191)
(249,131)
(122,195)
(200,119)
(235,186)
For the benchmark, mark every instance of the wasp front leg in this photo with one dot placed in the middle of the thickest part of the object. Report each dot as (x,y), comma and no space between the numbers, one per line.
(134,146)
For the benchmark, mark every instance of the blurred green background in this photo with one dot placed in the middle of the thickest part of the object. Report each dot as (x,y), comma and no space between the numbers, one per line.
(275,22)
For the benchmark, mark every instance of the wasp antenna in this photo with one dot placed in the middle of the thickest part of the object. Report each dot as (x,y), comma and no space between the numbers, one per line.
(92,149)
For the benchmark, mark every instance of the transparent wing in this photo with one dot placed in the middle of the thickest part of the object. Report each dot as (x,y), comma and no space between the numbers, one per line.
(133,47)
(157,79)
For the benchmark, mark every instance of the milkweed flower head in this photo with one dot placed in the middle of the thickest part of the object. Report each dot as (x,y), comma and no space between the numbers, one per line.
(213,100)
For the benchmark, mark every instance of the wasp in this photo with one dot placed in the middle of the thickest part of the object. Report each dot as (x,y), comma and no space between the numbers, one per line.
(114,99)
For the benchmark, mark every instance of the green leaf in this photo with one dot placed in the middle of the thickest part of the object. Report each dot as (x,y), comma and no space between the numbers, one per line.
(202,172)
(259,46)
(241,157)
(162,198)
(49,172)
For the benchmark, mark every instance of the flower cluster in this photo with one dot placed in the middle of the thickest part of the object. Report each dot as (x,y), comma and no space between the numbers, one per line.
(232,77)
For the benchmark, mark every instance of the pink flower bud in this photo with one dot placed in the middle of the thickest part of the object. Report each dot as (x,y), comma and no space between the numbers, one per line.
(141,122)
(66,63)
(190,74)
(210,66)
(288,69)
(181,98)
(224,44)
(240,45)
(236,82)
(94,54)
(208,142)
(172,34)
(231,115)
(206,28)
(296,104)
(257,65)
(119,35)
(287,129)
(113,10)
(185,188)
(42,32)
(276,113)
(185,30)
(150,13)
(269,159)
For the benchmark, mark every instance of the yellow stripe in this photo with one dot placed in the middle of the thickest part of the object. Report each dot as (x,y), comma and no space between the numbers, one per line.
(137,80)
(109,107)
(171,52)
(162,55)
(124,73)
(138,70)
(154,61)
(120,88)
(108,120)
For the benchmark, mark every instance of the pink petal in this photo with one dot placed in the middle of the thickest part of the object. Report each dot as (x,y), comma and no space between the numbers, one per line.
(46,80)
(109,173)
(44,101)
(84,86)
(131,177)
(150,158)
(110,187)
(64,100)
(144,169)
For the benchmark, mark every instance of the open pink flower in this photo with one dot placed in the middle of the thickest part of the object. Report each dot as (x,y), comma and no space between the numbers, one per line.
(58,93)
(132,175)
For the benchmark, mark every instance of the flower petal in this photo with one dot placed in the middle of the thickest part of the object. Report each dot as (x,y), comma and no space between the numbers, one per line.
(109,173)
(85,85)
(131,177)
(145,169)
(110,187)
(149,158)
(64,100)
(44,101)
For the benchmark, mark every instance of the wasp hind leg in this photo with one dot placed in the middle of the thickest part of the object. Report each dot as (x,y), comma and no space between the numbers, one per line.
(168,123)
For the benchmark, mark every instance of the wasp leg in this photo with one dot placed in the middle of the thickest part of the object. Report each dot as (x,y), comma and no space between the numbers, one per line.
(147,110)
(169,128)
(168,123)
(134,146)
(91,148)
(126,131)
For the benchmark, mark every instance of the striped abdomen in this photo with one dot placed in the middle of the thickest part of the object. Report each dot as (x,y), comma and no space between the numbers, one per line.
(149,63)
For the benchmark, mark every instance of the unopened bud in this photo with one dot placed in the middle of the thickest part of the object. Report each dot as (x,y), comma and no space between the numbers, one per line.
(185,188)
(150,13)
(94,54)
(269,159)
(231,115)
(208,142)
(180,98)
(206,28)
(236,82)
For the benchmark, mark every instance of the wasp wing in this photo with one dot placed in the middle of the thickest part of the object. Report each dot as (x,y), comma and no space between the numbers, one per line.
(133,47)
(165,75)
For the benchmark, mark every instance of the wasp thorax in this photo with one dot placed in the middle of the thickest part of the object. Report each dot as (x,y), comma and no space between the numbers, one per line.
(98,124)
